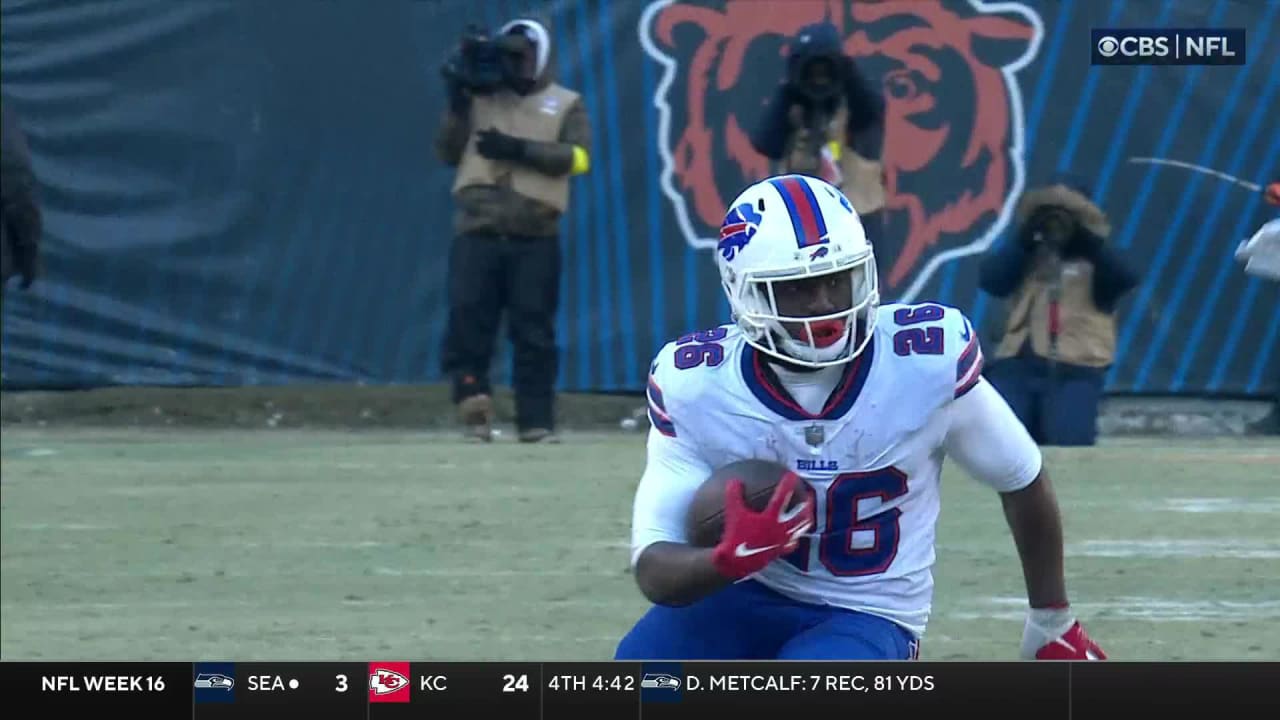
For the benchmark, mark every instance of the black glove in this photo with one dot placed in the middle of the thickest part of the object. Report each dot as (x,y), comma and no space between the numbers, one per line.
(499,146)
(22,234)
(27,258)
(459,98)
(1083,244)
(1029,236)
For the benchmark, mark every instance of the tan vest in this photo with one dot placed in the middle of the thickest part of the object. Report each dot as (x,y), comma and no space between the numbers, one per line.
(860,178)
(537,116)
(1087,336)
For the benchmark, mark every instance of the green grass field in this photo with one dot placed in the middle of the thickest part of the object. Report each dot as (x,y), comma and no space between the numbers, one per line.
(294,545)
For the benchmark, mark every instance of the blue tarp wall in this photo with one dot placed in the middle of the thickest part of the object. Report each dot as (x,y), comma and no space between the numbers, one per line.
(244,192)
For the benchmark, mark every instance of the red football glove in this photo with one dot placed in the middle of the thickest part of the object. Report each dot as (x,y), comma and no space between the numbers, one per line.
(1272,193)
(752,539)
(1054,634)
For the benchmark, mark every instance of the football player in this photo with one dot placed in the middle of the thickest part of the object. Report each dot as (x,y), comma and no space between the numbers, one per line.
(1261,252)
(861,401)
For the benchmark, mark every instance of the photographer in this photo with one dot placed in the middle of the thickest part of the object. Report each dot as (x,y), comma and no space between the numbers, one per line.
(20,226)
(825,121)
(516,138)
(1063,284)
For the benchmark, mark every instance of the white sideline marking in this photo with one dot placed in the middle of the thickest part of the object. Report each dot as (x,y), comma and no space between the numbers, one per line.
(46,606)
(318,606)
(1256,506)
(307,544)
(59,527)
(207,574)
(365,544)
(433,572)
(1238,548)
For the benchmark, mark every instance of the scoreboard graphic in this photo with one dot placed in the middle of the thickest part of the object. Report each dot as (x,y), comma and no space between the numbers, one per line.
(626,690)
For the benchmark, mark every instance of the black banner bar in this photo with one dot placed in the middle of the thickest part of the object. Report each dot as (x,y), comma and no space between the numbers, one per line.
(587,691)
(467,691)
(1199,690)
(138,689)
(324,691)
(643,691)
(992,691)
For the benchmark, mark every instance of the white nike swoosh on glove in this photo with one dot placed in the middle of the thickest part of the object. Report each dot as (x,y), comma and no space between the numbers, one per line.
(744,551)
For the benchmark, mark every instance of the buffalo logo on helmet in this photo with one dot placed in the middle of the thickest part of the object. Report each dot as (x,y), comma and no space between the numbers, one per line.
(953,144)
(739,226)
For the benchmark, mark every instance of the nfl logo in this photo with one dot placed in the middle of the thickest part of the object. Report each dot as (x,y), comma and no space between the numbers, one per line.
(815,435)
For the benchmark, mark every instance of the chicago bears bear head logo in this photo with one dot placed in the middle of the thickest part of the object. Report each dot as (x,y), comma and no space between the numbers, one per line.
(953,145)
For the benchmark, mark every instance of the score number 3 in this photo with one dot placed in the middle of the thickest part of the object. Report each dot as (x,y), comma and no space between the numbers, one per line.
(342,683)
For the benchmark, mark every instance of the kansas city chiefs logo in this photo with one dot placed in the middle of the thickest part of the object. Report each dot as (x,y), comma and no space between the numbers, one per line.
(385,682)
(947,70)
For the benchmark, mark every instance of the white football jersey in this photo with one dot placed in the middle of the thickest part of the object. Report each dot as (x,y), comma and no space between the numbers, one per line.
(869,444)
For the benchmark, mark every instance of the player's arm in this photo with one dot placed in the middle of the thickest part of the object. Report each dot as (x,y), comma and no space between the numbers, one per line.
(676,574)
(1036,525)
(988,442)
(568,155)
(667,569)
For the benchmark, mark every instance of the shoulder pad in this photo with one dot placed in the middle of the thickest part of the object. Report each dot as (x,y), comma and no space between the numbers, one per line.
(938,337)
(679,373)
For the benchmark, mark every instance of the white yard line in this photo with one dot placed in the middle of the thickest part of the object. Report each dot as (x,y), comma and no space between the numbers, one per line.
(1236,548)
(481,572)
(65,527)
(414,603)
(1196,505)
(366,544)
(1151,609)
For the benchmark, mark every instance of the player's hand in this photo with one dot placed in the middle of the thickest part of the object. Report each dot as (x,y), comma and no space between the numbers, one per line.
(752,539)
(1055,634)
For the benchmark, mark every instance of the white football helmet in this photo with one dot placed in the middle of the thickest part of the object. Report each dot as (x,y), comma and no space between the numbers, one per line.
(795,227)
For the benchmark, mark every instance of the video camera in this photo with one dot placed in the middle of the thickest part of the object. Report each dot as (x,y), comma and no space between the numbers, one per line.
(478,65)
(1053,226)
(818,78)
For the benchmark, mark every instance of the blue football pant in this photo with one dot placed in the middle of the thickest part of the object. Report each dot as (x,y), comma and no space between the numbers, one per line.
(748,621)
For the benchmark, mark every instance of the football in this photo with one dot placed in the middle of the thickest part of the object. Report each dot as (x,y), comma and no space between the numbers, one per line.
(706,510)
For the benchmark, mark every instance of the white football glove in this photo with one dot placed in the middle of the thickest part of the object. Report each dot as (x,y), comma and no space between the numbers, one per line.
(1055,634)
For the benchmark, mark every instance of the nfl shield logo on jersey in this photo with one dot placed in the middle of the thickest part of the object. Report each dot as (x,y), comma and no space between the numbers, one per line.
(815,435)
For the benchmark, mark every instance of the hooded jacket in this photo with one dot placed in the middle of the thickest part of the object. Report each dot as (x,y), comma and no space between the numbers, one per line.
(1090,277)
(528,197)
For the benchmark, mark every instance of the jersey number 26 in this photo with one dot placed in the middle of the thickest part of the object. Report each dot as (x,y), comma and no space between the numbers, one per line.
(841,528)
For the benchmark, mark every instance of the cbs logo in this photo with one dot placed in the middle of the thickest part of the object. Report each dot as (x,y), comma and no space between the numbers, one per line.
(1110,46)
